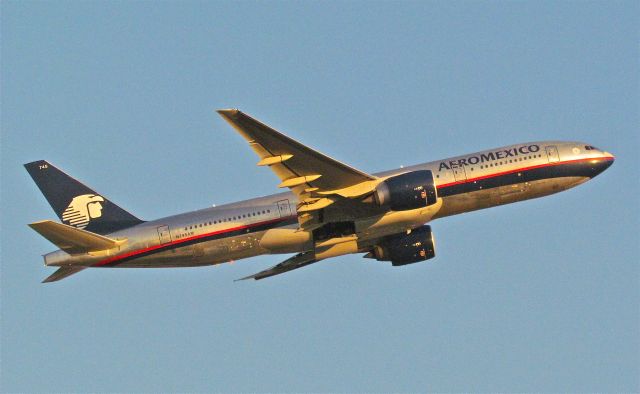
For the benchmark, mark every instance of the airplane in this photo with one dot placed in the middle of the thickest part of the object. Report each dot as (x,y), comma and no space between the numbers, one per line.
(330,210)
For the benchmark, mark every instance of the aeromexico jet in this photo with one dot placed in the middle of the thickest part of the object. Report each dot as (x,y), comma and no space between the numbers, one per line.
(330,210)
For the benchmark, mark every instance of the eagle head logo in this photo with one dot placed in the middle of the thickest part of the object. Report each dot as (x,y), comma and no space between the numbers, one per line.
(82,209)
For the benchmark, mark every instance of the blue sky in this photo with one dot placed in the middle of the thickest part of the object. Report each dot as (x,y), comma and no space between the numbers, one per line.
(541,295)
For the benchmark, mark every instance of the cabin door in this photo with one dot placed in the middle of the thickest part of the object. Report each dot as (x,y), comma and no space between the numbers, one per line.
(552,153)
(164,235)
(459,173)
(283,208)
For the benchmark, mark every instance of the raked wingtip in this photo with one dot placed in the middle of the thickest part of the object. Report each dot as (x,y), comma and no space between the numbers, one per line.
(228,112)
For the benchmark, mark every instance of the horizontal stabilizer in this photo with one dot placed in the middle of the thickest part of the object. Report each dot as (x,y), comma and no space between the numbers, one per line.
(62,273)
(73,240)
(298,261)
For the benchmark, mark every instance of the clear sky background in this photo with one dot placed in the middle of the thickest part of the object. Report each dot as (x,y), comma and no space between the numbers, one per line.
(540,295)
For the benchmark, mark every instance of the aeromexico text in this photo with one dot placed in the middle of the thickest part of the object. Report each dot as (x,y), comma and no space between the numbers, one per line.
(490,156)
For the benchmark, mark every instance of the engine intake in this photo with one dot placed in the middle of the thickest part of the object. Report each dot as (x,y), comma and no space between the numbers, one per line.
(403,249)
(407,191)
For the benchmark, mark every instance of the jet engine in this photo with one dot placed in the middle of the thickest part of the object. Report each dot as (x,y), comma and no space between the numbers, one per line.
(403,249)
(407,191)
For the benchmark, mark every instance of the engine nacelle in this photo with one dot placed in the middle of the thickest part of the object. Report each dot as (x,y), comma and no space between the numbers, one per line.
(403,249)
(403,192)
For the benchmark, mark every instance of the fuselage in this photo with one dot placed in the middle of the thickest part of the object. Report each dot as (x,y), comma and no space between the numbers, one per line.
(234,231)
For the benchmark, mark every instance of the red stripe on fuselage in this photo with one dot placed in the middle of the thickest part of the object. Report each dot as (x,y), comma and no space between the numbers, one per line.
(184,240)
(496,174)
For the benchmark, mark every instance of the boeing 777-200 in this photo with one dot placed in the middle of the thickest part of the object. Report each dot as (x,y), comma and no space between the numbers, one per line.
(330,210)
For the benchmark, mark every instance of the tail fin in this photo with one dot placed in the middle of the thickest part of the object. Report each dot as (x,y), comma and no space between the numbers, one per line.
(75,203)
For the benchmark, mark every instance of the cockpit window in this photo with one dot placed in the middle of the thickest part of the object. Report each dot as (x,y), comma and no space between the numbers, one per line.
(590,147)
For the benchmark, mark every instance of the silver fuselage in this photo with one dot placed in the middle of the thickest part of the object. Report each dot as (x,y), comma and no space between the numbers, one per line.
(235,231)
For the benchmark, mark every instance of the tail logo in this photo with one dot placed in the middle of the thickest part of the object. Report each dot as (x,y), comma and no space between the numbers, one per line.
(82,209)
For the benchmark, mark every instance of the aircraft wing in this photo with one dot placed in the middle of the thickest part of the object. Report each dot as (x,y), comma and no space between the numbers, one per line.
(314,177)
(298,261)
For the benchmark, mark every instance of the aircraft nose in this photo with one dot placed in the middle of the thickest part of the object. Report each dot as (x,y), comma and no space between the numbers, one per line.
(599,165)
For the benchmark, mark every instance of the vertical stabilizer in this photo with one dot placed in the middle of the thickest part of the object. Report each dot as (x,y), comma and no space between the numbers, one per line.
(76,204)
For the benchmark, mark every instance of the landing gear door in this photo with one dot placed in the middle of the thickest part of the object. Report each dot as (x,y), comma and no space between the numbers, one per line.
(164,235)
(459,174)
(552,153)
(283,208)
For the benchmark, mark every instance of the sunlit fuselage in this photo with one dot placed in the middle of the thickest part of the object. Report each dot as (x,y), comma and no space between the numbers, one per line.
(464,183)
